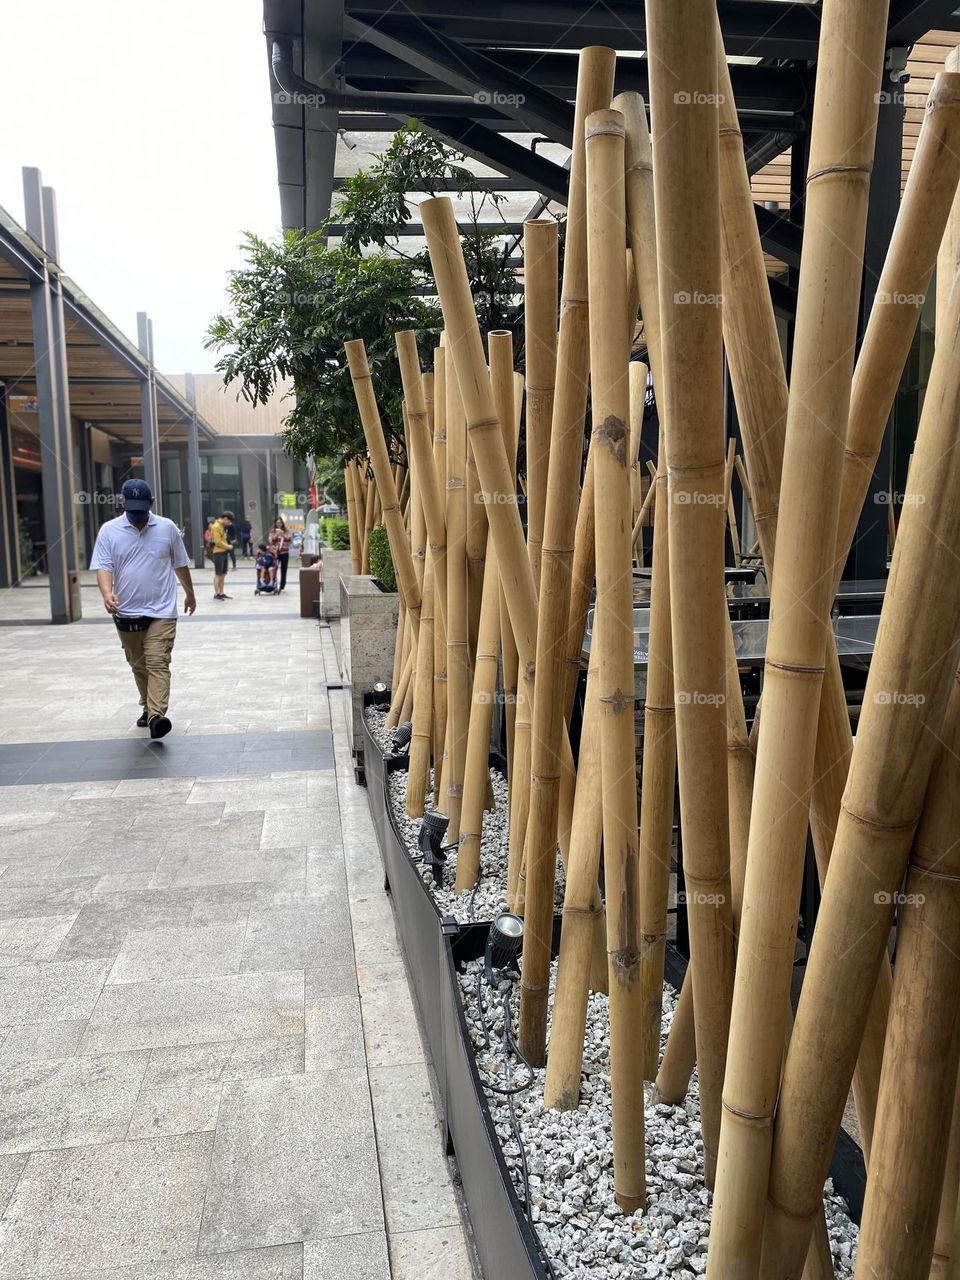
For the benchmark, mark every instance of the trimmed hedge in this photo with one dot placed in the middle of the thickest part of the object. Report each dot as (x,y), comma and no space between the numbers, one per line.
(335,532)
(381,561)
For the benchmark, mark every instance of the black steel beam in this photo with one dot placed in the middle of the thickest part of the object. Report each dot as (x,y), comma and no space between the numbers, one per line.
(779,236)
(508,157)
(910,20)
(412,229)
(750,27)
(452,185)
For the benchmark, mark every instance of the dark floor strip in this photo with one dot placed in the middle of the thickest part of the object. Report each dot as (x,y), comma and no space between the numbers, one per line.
(212,755)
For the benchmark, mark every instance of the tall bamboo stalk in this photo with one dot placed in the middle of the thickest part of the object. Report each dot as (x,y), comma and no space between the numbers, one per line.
(613,636)
(476,552)
(948,257)
(457,616)
(594,90)
(540,274)
(356,537)
(476,774)
(903,706)
(686,159)
(945,1260)
(917,1087)
(440,579)
(369,490)
(421,742)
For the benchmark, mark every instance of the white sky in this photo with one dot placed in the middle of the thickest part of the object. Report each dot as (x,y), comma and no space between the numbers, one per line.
(153,124)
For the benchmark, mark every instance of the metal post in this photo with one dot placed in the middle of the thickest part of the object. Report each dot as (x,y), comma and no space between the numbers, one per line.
(148,410)
(868,557)
(48,412)
(51,243)
(9,524)
(193,475)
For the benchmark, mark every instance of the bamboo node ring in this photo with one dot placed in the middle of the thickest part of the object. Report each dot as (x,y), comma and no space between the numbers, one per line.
(757,1122)
(485,424)
(579,911)
(918,868)
(795,668)
(840,171)
(872,824)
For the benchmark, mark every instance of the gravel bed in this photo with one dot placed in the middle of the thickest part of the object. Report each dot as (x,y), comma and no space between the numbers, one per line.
(569,1159)
(489,897)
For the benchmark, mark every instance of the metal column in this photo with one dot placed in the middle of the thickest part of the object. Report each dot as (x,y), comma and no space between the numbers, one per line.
(9,524)
(868,557)
(49,410)
(193,475)
(148,411)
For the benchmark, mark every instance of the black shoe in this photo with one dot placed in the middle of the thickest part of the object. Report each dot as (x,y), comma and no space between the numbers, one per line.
(219,597)
(160,726)
(144,719)
(226,597)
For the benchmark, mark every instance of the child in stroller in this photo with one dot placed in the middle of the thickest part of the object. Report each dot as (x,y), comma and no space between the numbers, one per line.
(266,571)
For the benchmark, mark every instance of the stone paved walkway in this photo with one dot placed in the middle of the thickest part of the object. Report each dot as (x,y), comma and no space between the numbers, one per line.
(209,1060)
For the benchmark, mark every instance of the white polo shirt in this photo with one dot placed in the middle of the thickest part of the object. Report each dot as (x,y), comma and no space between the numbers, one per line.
(142,562)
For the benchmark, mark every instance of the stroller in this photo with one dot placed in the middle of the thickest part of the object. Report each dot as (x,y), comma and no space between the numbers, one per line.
(266,573)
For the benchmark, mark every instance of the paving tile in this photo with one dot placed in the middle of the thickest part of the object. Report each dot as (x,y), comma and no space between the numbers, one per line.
(281,1263)
(284,827)
(390,1030)
(417,1190)
(32,938)
(40,1041)
(68,1102)
(239,831)
(333,1033)
(361,1257)
(11,1168)
(294,1159)
(141,1015)
(196,951)
(58,897)
(437,1254)
(121,1204)
(101,926)
(237,866)
(49,992)
(298,936)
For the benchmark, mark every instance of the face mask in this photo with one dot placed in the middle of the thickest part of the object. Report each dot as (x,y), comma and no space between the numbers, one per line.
(138,518)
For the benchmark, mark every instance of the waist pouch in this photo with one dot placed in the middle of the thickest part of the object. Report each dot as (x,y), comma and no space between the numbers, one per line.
(132,624)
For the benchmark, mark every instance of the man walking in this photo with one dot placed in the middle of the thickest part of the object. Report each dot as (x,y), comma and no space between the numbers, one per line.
(138,558)
(220,548)
(246,539)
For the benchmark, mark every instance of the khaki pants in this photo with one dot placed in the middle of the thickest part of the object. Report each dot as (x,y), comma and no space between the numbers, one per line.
(148,653)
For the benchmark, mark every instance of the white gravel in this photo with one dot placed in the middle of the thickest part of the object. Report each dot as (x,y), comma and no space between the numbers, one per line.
(489,897)
(570,1162)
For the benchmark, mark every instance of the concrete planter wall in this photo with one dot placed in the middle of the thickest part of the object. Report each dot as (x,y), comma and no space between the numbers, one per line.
(368,633)
(335,565)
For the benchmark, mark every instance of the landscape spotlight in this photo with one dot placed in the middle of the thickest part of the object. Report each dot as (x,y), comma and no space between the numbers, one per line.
(503,946)
(433,828)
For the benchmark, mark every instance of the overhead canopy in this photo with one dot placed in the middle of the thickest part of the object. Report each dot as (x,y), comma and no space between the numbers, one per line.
(105,368)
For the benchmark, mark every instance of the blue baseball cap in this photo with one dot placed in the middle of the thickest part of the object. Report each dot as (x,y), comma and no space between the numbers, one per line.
(137,495)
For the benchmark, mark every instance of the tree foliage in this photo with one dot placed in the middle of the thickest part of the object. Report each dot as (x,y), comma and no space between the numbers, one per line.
(295,300)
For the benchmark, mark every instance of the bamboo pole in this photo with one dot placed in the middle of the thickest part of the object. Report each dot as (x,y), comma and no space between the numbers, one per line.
(457,616)
(369,488)
(923,213)
(476,771)
(728,504)
(844,127)
(659,723)
(351,485)
(421,742)
(581,586)
(594,90)
(903,706)
(380,462)
(680,1051)
(944,1262)
(686,161)
(397,687)
(638,391)
(948,257)
(918,1084)
(508,646)
(440,579)
(540,258)
(476,553)
(613,637)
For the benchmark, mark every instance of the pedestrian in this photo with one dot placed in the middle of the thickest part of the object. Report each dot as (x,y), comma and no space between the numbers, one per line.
(279,541)
(246,539)
(220,548)
(138,558)
(231,532)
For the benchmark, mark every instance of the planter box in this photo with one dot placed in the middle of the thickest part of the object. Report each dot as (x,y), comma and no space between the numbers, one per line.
(334,565)
(368,633)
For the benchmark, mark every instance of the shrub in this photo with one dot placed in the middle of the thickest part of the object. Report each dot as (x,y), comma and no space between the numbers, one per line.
(335,532)
(381,561)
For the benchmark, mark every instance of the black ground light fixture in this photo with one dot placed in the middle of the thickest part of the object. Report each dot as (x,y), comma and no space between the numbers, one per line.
(400,738)
(503,947)
(434,852)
